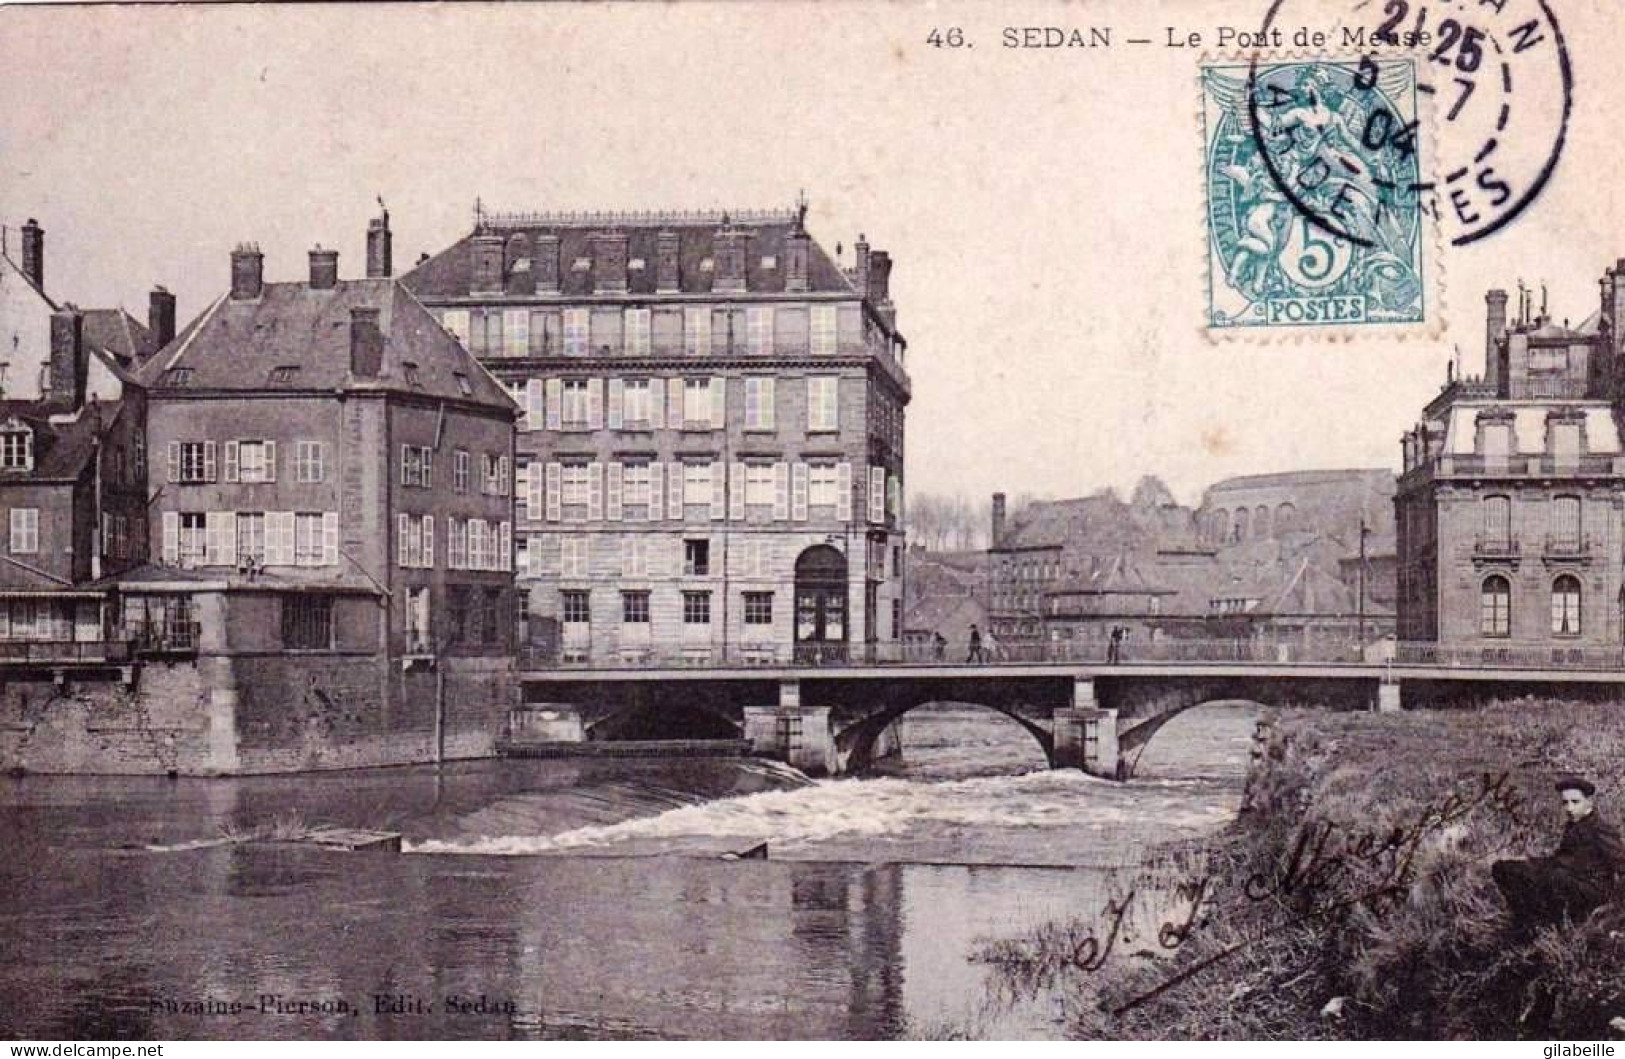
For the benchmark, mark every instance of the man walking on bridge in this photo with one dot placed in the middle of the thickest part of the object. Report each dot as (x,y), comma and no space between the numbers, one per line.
(1587,869)
(975,655)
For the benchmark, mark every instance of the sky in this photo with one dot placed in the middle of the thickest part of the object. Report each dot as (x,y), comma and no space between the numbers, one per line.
(1043,207)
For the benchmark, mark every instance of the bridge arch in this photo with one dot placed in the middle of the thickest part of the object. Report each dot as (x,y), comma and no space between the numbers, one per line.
(855,743)
(647,720)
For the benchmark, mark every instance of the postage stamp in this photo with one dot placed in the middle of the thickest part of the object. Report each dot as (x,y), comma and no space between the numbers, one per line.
(1314,194)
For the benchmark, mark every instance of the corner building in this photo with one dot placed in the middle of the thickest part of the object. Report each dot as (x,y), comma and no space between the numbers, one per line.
(1509,509)
(710,460)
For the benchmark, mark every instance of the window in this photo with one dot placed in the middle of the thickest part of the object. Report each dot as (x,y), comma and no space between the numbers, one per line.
(575,485)
(457,323)
(823,329)
(1566,522)
(696,608)
(309,461)
(463,385)
(759,331)
(575,332)
(759,483)
(251,536)
(308,540)
(635,608)
(544,332)
(414,545)
(180,378)
(1497,440)
(1497,521)
(193,539)
(635,402)
(1565,438)
(284,375)
(759,403)
(251,461)
(821,402)
(191,461)
(577,606)
(1495,607)
(307,622)
(410,372)
(417,466)
(697,484)
(489,628)
(573,410)
(25,530)
(822,487)
(459,471)
(17,450)
(496,474)
(697,331)
(573,556)
(696,558)
(697,402)
(635,485)
(758,608)
(417,620)
(514,340)
(637,332)
(1566,606)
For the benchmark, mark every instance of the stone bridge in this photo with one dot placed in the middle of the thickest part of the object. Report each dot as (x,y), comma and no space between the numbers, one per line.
(840,718)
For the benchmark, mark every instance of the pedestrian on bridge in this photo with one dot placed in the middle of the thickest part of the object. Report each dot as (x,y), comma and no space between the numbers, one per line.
(975,655)
(1587,869)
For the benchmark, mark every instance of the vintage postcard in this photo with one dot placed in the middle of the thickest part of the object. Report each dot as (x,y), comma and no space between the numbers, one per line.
(877,521)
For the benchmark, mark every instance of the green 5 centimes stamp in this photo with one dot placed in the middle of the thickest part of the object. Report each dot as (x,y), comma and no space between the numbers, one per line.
(1314,194)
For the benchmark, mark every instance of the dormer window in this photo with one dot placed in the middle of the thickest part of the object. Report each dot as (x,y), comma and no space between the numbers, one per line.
(17,450)
(463,384)
(410,371)
(285,375)
(178,377)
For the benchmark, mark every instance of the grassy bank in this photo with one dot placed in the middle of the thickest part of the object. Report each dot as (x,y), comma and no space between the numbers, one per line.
(1353,899)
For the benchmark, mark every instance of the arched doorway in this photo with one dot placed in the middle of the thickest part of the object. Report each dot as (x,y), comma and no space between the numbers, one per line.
(821,609)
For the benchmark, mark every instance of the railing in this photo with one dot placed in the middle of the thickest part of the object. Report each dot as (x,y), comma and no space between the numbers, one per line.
(1510,656)
(1496,547)
(171,638)
(37,651)
(1573,547)
(1475,464)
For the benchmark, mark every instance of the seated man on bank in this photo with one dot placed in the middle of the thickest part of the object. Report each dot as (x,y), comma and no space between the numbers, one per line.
(1586,870)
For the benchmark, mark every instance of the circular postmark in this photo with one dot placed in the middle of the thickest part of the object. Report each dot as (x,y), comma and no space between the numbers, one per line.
(1336,143)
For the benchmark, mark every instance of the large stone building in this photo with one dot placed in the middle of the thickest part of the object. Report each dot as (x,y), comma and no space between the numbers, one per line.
(1509,508)
(711,457)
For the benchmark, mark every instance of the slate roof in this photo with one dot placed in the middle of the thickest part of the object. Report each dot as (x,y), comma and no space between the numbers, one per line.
(234,345)
(117,332)
(450,273)
(61,449)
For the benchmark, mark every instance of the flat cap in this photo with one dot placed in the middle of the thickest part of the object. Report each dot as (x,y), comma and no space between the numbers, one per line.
(1572,782)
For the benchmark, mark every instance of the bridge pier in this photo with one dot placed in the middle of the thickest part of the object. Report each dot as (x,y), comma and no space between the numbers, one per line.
(1388,698)
(1085,735)
(798,735)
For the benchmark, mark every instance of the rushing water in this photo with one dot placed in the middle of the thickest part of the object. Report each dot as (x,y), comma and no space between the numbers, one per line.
(581,898)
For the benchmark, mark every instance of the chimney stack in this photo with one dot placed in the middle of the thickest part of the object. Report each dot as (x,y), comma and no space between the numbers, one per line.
(860,264)
(34,253)
(366,343)
(69,363)
(796,250)
(380,260)
(487,263)
(247,272)
(161,316)
(1495,325)
(997,528)
(879,287)
(324,268)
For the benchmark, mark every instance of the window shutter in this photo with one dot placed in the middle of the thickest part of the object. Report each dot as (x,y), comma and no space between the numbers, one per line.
(628,555)
(719,489)
(719,402)
(505,542)
(799,491)
(843,492)
(208,461)
(674,403)
(270,461)
(428,541)
(555,492)
(595,404)
(657,496)
(504,476)
(535,404)
(657,403)
(232,472)
(330,539)
(877,494)
(674,491)
(613,506)
(736,492)
(535,490)
(595,492)
(768,422)
(428,466)
(405,452)
(555,403)
(174,461)
(403,529)
(617,404)
(172,536)
(228,536)
(781,492)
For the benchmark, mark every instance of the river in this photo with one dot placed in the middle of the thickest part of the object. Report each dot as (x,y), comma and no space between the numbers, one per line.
(584,898)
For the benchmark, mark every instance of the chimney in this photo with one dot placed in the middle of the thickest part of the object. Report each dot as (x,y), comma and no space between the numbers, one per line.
(1616,308)
(161,316)
(997,529)
(1495,325)
(380,260)
(366,343)
(34,253)
(324,268)
(860,264)
(879,287)
(247,272)
(544,262)
(796,250)
(667,246)
(730,259)
(609,262)
(487,277)
(69,362)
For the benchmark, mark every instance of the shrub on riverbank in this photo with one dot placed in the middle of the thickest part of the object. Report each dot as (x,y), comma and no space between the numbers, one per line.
(1353,897)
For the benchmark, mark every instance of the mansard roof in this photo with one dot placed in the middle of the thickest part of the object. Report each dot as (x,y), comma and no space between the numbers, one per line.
(450,273)
(235,345)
